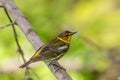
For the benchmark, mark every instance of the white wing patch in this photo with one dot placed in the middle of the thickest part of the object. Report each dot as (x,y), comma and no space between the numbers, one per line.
(63,47)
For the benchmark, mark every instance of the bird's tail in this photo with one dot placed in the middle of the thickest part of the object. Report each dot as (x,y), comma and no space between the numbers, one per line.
(25,64)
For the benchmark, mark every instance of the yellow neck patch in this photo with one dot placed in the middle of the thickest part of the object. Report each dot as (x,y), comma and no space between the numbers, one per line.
(65,41)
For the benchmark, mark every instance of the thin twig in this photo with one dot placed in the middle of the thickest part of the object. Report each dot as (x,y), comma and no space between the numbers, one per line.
(1,6)
(35,74)
(92,43)
(7,25)
(15,35)
(97,46)
(18,45)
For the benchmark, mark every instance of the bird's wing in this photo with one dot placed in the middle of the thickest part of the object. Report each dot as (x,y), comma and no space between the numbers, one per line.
(37,53)
(44,53)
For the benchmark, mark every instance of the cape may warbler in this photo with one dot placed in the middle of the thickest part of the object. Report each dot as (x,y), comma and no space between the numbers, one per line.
(52,50)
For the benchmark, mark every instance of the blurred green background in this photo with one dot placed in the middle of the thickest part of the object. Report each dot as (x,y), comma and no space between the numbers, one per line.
(98,20)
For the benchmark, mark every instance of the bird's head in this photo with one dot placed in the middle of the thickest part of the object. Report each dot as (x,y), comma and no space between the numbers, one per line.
(65,36)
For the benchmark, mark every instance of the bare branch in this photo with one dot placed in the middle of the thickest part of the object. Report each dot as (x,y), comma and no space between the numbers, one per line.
(31,35)
(19,47)
(7,25)
(15,35)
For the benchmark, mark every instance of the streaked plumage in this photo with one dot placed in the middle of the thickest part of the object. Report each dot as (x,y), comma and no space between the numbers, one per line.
(52,50)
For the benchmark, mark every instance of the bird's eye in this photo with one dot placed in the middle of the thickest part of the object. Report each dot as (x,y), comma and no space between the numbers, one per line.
(66,35)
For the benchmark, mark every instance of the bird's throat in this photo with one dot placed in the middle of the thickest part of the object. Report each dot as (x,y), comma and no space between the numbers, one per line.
(65,41)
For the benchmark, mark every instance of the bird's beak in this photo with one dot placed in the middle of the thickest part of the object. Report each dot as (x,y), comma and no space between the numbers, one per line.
(73,33)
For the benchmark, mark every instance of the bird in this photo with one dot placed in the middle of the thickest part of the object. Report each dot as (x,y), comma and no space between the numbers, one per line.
(53,50)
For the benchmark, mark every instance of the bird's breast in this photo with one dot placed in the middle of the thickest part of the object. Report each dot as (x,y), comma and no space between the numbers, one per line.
(63,47)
